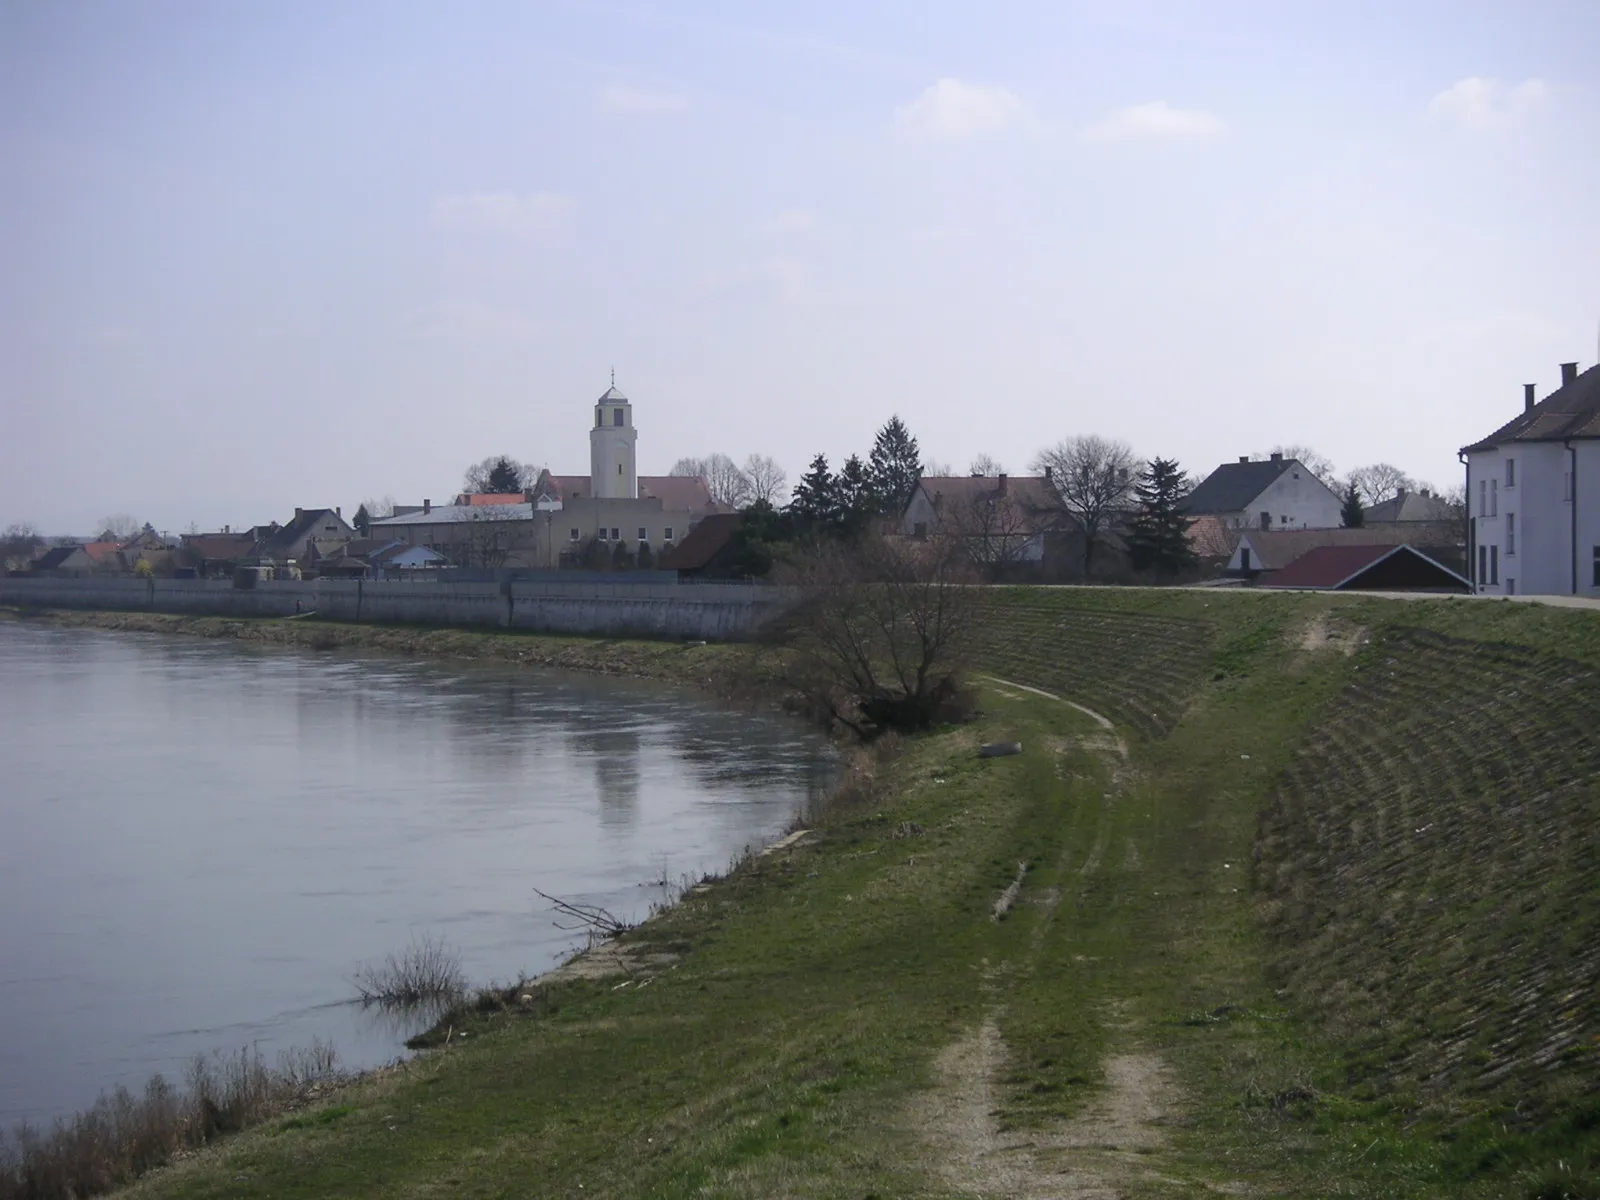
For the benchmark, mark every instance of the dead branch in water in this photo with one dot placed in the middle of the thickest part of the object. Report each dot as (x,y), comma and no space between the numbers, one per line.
(599,923)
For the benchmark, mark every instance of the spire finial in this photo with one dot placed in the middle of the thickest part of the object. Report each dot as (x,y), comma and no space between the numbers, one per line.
(613,377)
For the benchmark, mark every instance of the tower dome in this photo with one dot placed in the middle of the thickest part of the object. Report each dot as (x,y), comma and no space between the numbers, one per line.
(613,473)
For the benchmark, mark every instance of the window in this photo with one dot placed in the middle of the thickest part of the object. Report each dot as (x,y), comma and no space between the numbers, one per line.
(616,417)
(1511,534)
(1511,586)
(1266,520)
(1483,565)
(644,534)
(1597,566)
(619,468)
(1494,497)
(919,529)
(576,534)
(1283,520)
(600,535)
(330,529)
(1483,497)
(666,534)
(616,535)
(1511,472)
(1244,558)
(1494,564)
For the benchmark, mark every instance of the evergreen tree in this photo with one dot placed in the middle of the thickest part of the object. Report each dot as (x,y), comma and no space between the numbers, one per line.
(857,497)
(1159,539)
(362,520)
(764,536)
(1351,515)
(621,559)
(893,468)
(505,476)
(816,501)
(646,559)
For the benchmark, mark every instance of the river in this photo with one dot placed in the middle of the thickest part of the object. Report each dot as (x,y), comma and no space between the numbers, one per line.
(201,841)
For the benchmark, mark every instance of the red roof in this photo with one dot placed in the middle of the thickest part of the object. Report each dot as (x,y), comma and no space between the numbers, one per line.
(480,498)
(1332,567)
(101,551)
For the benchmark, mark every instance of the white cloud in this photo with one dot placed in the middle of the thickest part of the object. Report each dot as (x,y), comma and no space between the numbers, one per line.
(1158,119)
(536,217)
(951,109)
(1478,103)
(794,221)
(619,97)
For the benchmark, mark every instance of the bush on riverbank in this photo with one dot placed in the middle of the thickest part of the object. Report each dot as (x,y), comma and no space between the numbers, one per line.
(426,971)
(122,1135)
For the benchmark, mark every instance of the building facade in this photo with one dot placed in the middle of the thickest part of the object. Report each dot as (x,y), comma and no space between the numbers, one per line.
(1533,495)
(1276,494)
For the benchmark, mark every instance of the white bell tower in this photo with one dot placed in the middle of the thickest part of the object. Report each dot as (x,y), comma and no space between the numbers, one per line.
(613,469)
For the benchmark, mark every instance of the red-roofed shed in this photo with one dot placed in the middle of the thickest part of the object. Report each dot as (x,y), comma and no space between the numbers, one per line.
(1367,568)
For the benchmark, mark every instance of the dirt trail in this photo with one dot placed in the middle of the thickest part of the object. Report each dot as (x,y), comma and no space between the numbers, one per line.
(1088,1158)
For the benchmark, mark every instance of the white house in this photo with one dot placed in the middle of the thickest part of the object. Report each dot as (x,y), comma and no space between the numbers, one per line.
(1533,494)
(1280,493)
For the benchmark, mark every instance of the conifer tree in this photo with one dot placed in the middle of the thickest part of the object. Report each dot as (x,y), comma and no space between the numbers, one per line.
(362,520)
(816,496)
(1159,539)
(1350,515)
(894,467)
(858,501)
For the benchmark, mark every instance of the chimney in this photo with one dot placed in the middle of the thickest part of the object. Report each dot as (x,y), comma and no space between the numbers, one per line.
(1569,372)
(337,513)
(1277,456)
(1400,493)
(1244,458)
(1002,483)
(1527,396)
(427,507)
(298,512)
(1047,475)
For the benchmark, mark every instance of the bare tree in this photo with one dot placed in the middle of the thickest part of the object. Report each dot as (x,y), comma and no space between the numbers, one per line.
(934,469)
(880,635)
(1000,531)
(491,534)
(1095,477)
(499,473)
(118,527)
(1317,463)
(769,482)
(1380,482)
(727,483)
(378,509)
(986,464)
(20,544)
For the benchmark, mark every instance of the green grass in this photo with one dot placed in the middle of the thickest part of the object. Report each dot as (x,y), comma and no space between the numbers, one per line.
(1337,1007)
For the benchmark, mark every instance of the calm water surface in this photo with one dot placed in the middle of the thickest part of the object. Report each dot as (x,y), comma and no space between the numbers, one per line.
(200,841)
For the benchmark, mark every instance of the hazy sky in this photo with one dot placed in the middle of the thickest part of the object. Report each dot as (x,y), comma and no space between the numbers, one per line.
(259,255)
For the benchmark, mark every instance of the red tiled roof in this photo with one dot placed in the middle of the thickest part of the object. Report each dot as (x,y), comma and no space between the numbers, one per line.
(1329,567)
(678,493)
(480,498)
(1276,548)
(1209,537)
(101,551)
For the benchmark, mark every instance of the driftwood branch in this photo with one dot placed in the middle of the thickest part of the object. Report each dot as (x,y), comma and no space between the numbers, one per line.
(597,922)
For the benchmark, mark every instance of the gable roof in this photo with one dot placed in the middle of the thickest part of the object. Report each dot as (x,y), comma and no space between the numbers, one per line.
(219,545)
(1330,568)
(679,493)
(53,558)
(1210,537)
(1037,503)
(1233,486)
(1409,506)
(1275,549)
(1571,411)
(102,552)
(703,543)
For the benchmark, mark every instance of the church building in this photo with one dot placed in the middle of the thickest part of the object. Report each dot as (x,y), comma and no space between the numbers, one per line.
(568,520)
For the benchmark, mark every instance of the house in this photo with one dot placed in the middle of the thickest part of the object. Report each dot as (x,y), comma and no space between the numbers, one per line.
(105,557)
(1280,493)
(1213,542)
(62,560)
(1367,568)
(380,558)
(313,534)
(1533,494)
(1009,523)
(706,551)
(1407,507)
(215,555)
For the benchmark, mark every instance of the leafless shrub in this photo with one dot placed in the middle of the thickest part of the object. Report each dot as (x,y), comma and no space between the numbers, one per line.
(427,970)
(598,923)
(121,1136)
(880,634)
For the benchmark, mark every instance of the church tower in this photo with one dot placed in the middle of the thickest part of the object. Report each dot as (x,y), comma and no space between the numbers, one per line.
(613,469)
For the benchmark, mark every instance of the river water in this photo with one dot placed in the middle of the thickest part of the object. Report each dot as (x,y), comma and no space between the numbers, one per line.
(201,841)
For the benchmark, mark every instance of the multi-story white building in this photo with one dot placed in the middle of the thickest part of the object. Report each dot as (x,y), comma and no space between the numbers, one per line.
(1533,495)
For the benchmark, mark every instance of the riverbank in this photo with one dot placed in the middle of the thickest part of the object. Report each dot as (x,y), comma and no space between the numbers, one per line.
(1315,913)
(714,667)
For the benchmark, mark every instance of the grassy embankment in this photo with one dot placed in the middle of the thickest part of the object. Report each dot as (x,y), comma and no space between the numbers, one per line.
(1317,917)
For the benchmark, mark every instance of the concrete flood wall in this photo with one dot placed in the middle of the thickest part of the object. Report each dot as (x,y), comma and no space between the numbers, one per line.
(713,611)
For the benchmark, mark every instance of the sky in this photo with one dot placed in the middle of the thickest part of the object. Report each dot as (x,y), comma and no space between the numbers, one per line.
(263,255)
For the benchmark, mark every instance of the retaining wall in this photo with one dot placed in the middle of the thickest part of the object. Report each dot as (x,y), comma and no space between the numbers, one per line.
(714,611)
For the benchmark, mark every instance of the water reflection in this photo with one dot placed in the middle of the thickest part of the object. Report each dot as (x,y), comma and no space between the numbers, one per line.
(227,830)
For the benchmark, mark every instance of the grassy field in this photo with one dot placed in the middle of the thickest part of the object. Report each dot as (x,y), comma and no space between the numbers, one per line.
(1316,916)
